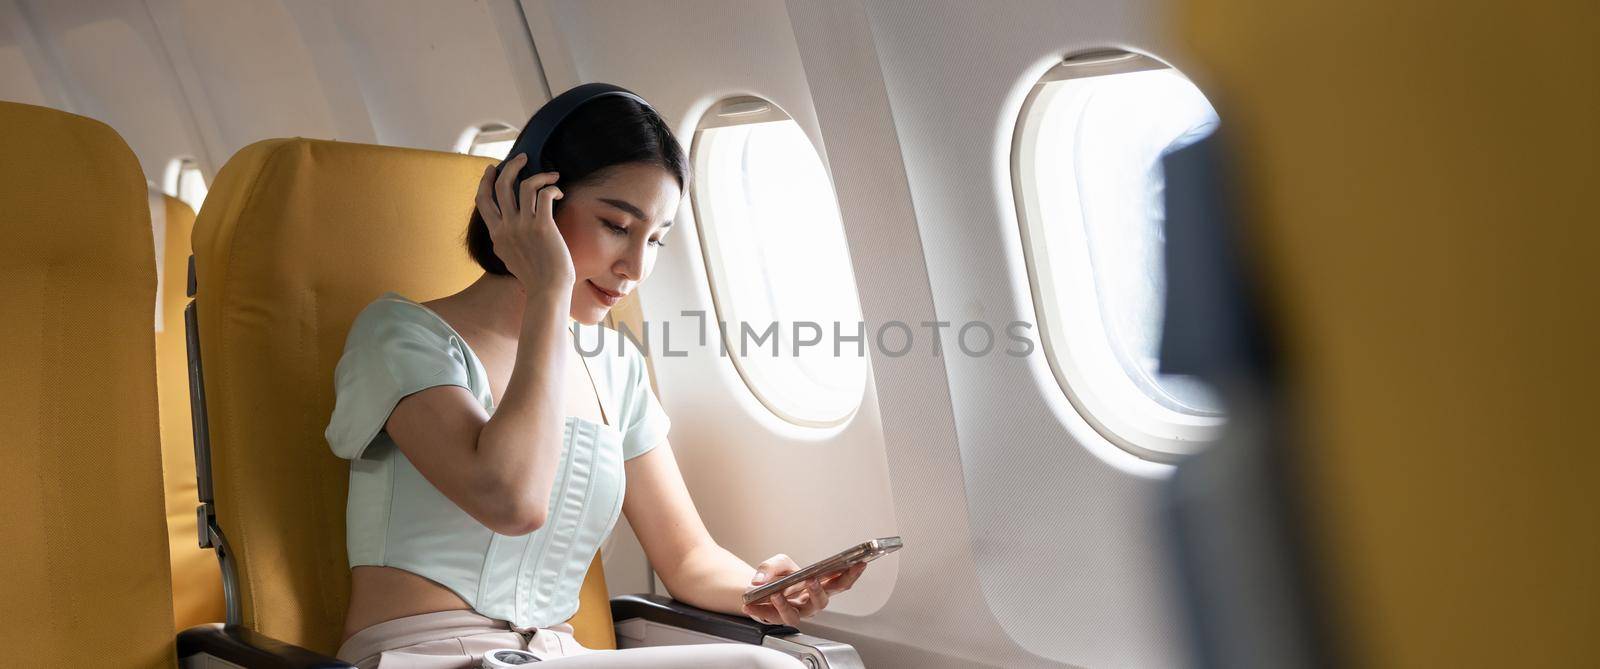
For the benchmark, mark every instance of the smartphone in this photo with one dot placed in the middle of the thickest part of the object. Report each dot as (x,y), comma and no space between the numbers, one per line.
(865,551)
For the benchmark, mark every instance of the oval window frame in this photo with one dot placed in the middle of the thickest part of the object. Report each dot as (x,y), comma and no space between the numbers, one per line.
(1151,432)
(732,111)
(484,133)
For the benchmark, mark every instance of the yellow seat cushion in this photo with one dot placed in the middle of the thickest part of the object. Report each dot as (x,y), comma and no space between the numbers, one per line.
(85,538)
(592,625)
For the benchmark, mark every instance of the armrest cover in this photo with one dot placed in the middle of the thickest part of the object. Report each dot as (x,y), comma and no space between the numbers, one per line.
(668,611)
(248,648)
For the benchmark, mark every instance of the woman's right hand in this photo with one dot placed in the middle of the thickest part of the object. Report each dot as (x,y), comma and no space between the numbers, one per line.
(526,239)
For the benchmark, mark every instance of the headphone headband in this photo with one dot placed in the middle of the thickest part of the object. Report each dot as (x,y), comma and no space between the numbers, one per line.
(544,122)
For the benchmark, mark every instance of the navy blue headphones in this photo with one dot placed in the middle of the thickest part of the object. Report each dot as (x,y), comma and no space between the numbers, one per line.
(543,124)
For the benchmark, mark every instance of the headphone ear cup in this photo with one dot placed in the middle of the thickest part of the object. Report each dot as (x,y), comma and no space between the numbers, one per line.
(528,170)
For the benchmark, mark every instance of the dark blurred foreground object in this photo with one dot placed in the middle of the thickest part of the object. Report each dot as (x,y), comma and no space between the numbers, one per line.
(1233,509)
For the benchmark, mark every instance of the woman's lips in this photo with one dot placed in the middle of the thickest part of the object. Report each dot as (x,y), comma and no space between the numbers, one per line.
(607,298)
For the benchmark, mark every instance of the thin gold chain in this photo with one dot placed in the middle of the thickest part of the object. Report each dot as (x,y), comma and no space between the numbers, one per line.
(573,328)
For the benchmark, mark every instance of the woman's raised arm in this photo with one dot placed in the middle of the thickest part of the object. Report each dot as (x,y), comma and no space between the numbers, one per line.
(499,469)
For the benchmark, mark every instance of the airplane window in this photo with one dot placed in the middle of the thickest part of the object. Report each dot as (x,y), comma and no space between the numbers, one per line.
(184,181)
(1089,187)
(493,140)
(780,269)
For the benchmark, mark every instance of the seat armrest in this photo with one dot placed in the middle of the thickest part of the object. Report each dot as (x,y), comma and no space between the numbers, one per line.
(248,648)
(668,611)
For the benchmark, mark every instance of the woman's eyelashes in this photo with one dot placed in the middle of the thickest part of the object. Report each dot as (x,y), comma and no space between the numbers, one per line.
(619,230)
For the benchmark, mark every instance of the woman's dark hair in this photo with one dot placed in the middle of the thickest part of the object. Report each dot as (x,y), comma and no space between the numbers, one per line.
(602,133)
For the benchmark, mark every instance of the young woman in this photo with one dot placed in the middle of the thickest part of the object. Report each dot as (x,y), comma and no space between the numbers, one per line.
(490,458)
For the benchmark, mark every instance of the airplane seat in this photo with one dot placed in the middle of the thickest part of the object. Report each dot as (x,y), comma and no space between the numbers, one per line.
(1409,211)
(85,543)
(196,577)
(296,237)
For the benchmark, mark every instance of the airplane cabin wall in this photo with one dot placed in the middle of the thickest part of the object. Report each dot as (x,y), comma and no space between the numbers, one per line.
(1065,532)
(204,78)
(105,61)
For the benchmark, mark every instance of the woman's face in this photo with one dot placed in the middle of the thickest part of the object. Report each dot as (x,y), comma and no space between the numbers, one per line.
(613,227)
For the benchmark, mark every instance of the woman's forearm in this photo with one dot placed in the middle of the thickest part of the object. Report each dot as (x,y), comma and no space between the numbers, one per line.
(711,578)
(520,444)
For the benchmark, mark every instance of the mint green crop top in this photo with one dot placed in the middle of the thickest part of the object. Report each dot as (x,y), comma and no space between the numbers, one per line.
(395,518)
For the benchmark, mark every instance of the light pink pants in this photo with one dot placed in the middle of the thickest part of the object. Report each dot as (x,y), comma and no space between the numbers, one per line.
(459,639)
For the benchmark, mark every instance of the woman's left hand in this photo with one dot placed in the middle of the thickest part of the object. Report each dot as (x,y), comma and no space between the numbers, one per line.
(801,600)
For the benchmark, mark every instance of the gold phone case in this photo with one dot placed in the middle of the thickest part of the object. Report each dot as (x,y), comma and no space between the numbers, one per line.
(865,551)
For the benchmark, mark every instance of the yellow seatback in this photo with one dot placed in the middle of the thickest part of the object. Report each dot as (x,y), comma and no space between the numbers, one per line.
(85,544)
(592,625)
(1419,182)
(196,578)
(296,237)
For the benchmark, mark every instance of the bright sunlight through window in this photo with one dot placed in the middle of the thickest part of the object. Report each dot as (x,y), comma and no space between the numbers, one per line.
(1090,190)
(493,140)
(184,181)
(776,252)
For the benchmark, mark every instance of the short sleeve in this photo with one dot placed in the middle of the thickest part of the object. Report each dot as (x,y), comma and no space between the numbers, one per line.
(388,355)
(645,423)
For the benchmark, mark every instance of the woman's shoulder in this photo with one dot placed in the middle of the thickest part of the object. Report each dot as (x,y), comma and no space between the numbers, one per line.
(391,316)
(395,347)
